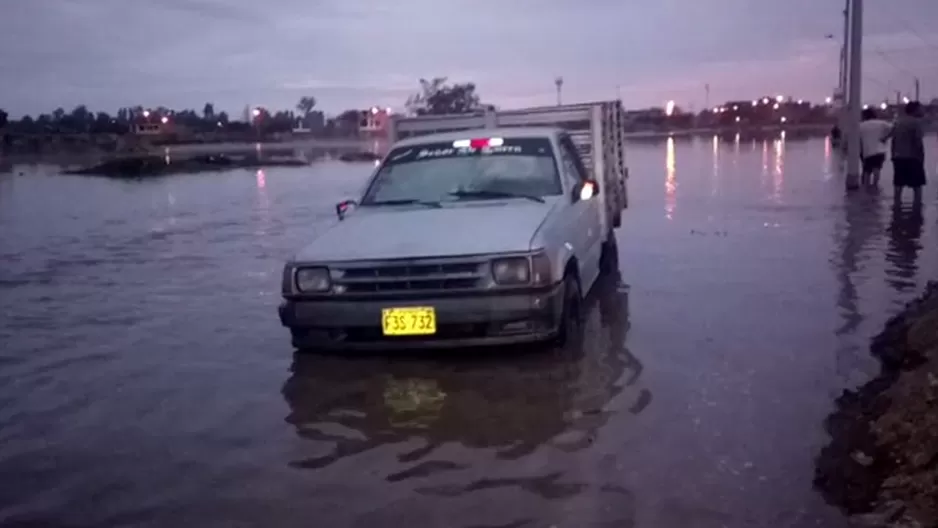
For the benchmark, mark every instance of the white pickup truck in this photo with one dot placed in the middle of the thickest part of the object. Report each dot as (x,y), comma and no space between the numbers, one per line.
(476,229)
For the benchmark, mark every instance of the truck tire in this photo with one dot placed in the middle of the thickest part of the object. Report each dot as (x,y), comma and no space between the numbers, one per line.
(571,315)
(609,257)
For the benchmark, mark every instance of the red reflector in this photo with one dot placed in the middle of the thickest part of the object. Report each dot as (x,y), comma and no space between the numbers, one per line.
(478,143)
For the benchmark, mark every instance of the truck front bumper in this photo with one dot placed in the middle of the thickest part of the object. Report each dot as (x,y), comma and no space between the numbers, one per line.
(462,321)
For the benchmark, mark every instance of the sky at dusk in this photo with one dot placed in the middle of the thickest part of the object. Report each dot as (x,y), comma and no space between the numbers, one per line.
(356,53)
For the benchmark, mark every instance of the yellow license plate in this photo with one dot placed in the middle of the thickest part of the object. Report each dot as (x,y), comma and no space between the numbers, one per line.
(416,320)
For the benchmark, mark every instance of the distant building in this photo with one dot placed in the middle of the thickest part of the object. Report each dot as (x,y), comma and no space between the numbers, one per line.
(374,121)
(151,128)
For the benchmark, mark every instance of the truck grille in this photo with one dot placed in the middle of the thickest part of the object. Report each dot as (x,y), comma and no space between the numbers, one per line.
(411,276)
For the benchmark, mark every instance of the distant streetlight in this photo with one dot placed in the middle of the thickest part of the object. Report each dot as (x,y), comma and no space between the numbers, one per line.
(146,113)
(164,120)
(779,98)
(800,101)
(669,108)
(775,106)
(256,112)
(906,100)
(828,100)
(737,119)
(765,100)
(784,119)
(884,106)
(755,103)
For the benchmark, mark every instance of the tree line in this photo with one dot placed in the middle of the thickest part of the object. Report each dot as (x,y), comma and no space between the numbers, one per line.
(435,96)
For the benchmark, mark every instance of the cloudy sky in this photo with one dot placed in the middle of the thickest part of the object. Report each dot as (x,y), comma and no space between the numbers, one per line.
(355,53)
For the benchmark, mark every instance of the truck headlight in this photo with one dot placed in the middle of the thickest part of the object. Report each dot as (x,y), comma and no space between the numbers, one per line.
(511,271)
(312,280)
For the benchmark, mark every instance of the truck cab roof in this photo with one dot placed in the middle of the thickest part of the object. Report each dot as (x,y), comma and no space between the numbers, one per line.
(503,132)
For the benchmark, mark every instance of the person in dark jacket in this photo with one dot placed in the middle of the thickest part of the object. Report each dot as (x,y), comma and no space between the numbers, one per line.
(908,152)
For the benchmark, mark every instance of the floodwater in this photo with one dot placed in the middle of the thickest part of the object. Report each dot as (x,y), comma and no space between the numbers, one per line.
(145,380)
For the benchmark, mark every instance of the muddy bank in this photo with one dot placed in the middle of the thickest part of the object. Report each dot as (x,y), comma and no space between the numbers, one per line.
(882,463)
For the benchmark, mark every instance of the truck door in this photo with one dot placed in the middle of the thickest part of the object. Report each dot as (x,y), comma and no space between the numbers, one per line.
(583,230)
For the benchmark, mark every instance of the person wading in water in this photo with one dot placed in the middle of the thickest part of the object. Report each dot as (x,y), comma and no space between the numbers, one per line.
(873,135)
(908,152)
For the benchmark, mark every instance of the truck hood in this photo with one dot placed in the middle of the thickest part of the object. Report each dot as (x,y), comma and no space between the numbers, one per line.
(458,229)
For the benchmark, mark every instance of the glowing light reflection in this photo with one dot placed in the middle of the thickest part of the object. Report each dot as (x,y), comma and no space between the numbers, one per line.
(765,161)
(670,181)
(263,204)
(778,172)
(714,181)
(261,179)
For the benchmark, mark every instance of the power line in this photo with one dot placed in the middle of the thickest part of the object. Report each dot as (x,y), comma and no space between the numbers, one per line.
(889,62)
(912,30)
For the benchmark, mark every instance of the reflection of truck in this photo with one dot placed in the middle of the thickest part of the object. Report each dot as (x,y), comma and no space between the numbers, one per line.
(475,229)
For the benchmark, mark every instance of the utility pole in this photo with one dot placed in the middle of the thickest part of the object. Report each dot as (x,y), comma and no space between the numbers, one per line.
(559,83)
(898,97)
(842,86)
(918,88)
(854,92)
(707,95)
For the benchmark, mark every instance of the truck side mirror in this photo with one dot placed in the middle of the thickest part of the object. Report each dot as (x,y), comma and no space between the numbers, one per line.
(343,207)
(585,190)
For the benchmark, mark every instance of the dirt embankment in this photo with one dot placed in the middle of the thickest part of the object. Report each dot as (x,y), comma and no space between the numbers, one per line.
(882,463)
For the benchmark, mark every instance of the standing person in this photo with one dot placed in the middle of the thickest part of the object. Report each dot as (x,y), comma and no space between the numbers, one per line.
(873,135)
(908,152)
(836,136)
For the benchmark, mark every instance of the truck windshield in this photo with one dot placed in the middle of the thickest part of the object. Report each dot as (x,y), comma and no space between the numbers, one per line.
(453,171)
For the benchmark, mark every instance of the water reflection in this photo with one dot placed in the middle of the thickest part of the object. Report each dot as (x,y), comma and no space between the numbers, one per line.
(765,161)
(905,233)
(855,245)
(670,180)
(263,202)
(778,173)
(716,165)
(510,407)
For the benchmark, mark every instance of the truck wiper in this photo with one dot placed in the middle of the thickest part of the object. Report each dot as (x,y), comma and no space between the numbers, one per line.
(495,194)
(435,205)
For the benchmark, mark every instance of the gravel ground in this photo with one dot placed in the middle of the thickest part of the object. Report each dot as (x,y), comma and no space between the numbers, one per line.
(882,463)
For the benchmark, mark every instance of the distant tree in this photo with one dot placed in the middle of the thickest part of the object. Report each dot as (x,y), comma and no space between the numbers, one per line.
(349,116)
(223,118)
(208,111)
(306,104)
(4,118)
(279,122)
(436,97)
(80,119)
(58,114)
(45,122)
(102,123)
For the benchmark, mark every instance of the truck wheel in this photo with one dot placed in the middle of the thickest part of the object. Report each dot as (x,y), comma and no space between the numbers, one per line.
(571,317)
(609,258)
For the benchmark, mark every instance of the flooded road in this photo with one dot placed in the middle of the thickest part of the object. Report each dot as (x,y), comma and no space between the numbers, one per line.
(145,380)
